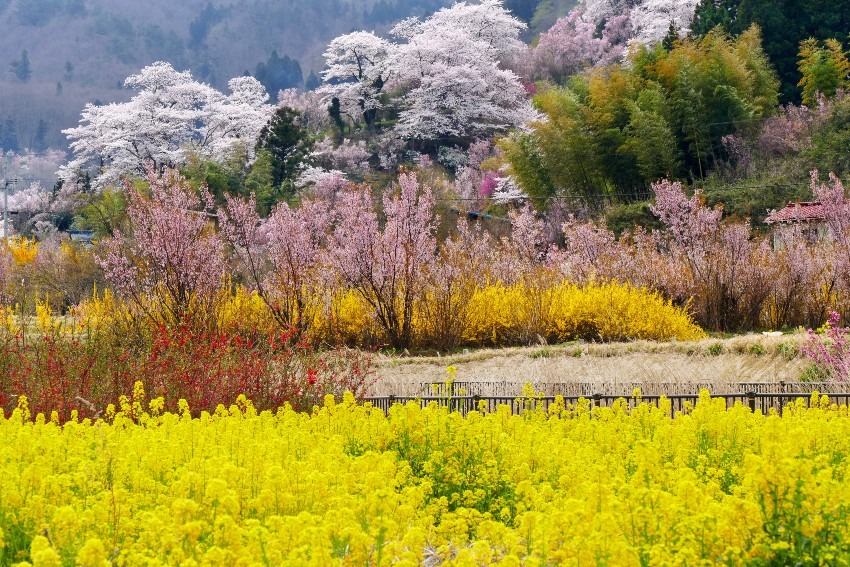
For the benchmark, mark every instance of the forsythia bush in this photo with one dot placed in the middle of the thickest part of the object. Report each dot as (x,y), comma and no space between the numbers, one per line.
(24,250)
(345,485)
(519,314)
(608,311)
(496,315)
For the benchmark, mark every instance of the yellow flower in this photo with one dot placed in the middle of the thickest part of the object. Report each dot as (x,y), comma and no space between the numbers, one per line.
(93,554)
(42,554)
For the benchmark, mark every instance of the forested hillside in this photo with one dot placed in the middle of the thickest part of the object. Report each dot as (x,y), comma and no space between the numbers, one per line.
(56,55)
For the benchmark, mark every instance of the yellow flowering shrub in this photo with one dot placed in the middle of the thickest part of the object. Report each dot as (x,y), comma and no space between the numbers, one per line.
(495,314)
(24,250)
(243,309)
(598,311)
(346,485)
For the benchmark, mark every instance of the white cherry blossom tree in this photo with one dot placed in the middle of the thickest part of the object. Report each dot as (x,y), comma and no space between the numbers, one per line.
(651,19)
(449,68)
(170,113)
(356,73)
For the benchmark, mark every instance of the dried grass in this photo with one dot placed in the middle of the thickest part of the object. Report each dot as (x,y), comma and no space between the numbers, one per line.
(674,367)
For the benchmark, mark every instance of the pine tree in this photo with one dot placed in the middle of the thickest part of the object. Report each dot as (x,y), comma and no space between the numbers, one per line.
(21,67)
(39,140)
(313,82)
(287,143)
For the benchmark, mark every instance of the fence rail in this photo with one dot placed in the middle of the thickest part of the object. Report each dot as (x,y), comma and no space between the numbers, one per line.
(586,389)
(762,401)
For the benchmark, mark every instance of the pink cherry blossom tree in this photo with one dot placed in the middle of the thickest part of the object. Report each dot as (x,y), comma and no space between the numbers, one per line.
(572,45)
(464,264)
(386,265)
(172,264)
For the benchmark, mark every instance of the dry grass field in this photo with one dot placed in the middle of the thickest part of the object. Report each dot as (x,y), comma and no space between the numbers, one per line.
(616,368)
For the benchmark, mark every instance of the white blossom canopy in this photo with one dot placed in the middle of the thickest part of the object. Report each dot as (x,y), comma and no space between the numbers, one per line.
(442,74)
(170,114)
(651,18)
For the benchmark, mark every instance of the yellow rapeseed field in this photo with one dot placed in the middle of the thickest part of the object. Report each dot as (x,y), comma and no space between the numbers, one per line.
(345,485)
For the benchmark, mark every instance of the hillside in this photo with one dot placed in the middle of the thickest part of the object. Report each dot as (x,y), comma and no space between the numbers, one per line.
(81,50)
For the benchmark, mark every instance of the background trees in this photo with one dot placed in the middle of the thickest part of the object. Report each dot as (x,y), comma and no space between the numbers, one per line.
(615,130)
(21,67)
(286,145)
(784,25)
(170,113)
(444,71)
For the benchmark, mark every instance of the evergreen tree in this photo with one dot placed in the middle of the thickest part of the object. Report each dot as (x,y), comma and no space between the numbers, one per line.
(9,135)
(523,9)
(335,112)
(39,140)
(200,27)
(313,82)
(279,73)
(21,67)
(671,38)
(287,144)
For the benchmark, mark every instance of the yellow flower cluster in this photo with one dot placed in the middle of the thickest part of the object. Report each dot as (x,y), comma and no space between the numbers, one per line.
(346,485)
(520,314)
(598,311)
(496,315)
(24,250)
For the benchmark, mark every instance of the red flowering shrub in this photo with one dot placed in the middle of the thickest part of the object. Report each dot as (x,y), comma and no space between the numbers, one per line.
(61,373)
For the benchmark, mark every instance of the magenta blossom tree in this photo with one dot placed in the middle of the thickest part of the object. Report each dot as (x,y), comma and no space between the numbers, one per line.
(572,45)
(830,352)
(171,266)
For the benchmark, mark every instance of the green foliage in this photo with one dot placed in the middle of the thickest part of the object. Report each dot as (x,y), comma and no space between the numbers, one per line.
(37,13)
(279,73)
(756,349)
(614,131)
(9,135)
(260,182)
(287,143)
(830,141)
(104,213)
(625,217)
(164,46)
(219,178)
(814,374)
(523,9)
(312,82)
(784,26)
(715,349)
(548,12)
(788,351)
(200,27)
(752,197)
(824,69)
(335,112)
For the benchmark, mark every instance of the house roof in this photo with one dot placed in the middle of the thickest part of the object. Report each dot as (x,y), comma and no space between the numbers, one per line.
(805,211)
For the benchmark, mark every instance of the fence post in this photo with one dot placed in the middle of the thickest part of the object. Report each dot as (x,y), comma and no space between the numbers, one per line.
(597,400)
(751,400)
(390,402)
(475,399)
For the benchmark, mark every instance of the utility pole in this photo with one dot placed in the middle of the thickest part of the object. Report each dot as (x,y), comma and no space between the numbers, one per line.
(5,201)
(6,183)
